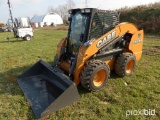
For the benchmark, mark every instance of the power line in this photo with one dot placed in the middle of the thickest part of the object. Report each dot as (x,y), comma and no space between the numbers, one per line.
(89,3)
(86,3)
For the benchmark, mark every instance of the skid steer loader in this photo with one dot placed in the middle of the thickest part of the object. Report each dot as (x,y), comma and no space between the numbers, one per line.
(96,44)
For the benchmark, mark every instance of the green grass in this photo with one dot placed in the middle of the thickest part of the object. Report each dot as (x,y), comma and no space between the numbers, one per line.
(136,92)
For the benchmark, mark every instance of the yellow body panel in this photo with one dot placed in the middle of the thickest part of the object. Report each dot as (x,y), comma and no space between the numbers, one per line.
(111,63)
(61,44)
(136,44)
(85,52)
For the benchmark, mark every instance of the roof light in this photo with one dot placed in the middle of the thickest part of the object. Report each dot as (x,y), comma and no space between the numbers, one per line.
(82,10)
(87,10)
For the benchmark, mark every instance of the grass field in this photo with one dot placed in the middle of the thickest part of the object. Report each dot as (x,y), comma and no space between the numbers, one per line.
(120,96)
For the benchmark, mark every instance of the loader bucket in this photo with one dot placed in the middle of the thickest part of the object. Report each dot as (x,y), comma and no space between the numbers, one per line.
(47,89)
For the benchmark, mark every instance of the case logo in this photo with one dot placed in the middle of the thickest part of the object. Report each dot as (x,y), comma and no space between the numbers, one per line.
(106,39)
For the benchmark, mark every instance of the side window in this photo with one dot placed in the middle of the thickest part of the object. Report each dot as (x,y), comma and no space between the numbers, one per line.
(96,26)
(101,24)
(107,23)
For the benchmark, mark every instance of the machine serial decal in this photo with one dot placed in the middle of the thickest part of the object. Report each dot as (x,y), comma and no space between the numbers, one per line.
(137,41)
(106,39)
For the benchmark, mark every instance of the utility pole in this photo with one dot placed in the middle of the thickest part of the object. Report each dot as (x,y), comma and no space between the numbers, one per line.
(10,12)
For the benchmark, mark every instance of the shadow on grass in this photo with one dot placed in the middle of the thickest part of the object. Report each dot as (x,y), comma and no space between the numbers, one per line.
(114,75)
(10,86)
(12,41)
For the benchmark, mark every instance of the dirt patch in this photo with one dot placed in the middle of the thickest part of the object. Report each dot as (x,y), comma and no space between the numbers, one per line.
(103,103)
(155,50)
(152,38)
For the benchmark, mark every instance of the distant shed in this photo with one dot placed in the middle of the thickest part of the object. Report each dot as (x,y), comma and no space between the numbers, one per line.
(47,20)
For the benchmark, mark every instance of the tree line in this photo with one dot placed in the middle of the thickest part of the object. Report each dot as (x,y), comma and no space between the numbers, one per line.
(146,17)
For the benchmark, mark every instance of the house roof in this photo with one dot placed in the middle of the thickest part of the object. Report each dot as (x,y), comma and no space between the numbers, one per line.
(38,18)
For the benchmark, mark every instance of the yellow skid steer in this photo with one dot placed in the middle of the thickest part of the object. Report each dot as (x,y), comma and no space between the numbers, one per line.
(96,44)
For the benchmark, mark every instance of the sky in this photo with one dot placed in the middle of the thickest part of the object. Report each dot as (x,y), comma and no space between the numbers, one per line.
(29,8)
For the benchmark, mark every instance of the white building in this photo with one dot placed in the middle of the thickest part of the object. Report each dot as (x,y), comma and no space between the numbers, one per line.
(47,20)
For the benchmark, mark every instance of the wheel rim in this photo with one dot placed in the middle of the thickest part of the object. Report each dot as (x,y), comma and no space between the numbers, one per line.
(130,66)
(28,38)
(99,78)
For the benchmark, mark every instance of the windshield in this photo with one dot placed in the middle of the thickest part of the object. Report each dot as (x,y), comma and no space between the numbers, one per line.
(79,25)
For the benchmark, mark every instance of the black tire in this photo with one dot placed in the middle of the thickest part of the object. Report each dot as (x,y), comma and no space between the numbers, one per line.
(95,75)
(28,37)
(125,64)
(55,60)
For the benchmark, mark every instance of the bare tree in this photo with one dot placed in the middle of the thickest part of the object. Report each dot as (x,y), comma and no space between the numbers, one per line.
(51,9)
(71,4)
(62,10)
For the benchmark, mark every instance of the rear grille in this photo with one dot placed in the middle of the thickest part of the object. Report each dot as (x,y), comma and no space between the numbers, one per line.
(102,23)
